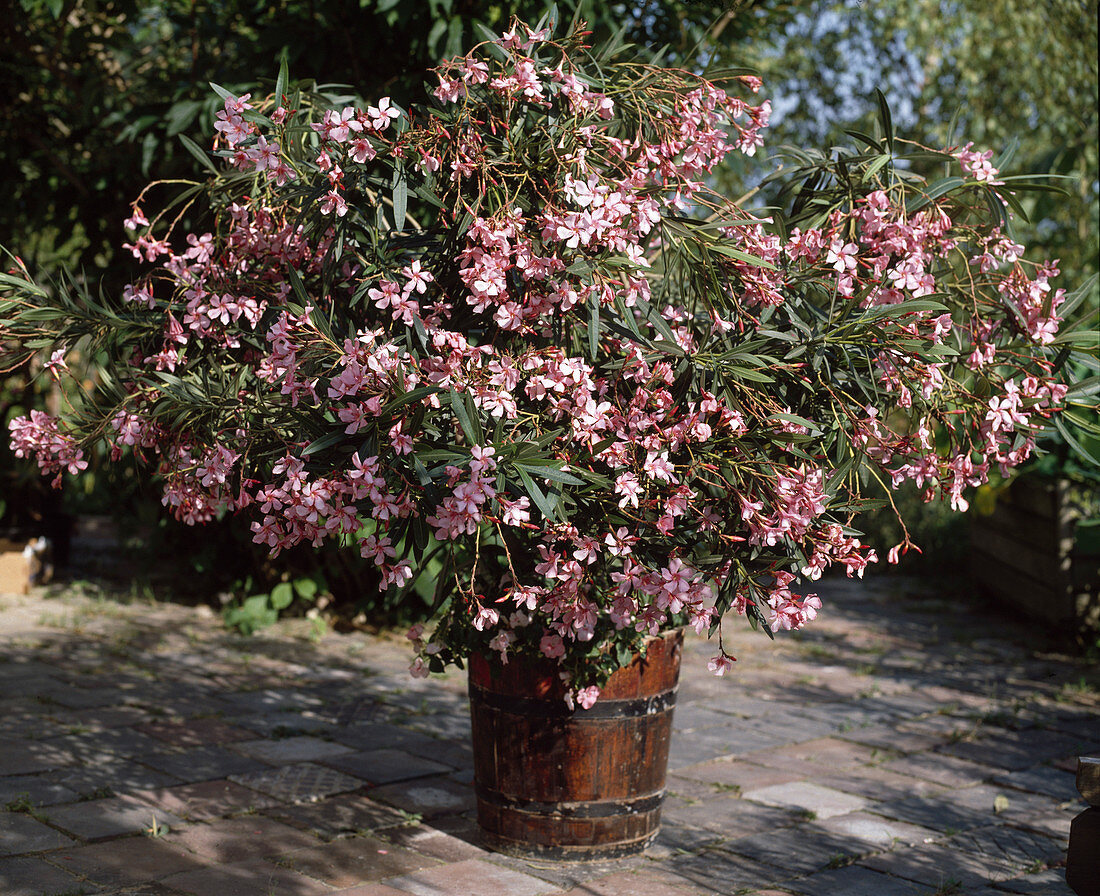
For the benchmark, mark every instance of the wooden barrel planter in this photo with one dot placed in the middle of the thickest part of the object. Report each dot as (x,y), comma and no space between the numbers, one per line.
(582,784)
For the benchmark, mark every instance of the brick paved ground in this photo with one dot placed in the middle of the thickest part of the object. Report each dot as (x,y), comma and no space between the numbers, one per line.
(901,746)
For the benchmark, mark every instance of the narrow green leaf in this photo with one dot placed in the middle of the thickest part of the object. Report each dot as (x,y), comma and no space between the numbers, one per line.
(400,197)
(593,327)
(1088,386)
(729,251)
(192,147)
(536,495)
(935,191)
(409,397)
(333,438)
(549,472)
(458,406)
(887,119)
(281,80)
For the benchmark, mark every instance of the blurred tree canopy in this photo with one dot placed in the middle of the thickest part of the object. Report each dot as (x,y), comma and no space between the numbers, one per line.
(1000,73)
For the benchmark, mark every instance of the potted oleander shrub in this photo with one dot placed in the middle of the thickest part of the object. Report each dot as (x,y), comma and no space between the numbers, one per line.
(512,341)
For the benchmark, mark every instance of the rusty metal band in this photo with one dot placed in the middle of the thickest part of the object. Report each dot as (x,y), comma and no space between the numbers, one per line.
(612,850)
(555,709)
(577,809)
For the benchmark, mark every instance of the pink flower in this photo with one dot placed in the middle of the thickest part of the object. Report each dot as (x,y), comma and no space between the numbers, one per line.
(382,114)
(57,363)
(720,663)
(552,646)
(485,618)
(587,697)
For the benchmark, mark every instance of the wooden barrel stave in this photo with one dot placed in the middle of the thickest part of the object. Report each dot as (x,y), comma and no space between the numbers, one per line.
(580,785)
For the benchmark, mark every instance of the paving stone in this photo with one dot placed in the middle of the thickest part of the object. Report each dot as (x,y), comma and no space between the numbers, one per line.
(931,688)
(798,850)
(207,799)
(203,764)
(350,861)
(944,725)
(1043,779)
(111,774)
(122,742)
(126,862)
(427,796)
(677,839)
(16,720)
(40,790)
(283,725)
(855,881)
(373,735)
(877,831)
(273,700)
(25,757)
(153,888)
(946,770)
(633,883)
(694,715)
(1055,825)
(237,839)
(815,756)
(470,876)
(943,813)
(726,814)
(303,782)
(106,818)
(716,870)
(1007,806)
(715,742)
(80,698)
(385,766)
(290,749)
(195,732)
(1011,846)
(20,833)
(876,784)
(823,802)
(36,877)
(433,843)
(891,737)
(1081,723)
(565,875)
(1016,750)
(1051,882)
(733,773)
(937,865)
(351,711)
(256,878)
(336,816)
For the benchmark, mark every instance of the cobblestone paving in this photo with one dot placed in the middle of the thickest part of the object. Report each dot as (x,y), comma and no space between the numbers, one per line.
(906,744)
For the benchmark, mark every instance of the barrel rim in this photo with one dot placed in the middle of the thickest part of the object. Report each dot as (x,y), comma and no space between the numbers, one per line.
(604,709)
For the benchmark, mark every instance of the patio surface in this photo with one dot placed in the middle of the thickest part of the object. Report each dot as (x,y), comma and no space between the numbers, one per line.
(898,746)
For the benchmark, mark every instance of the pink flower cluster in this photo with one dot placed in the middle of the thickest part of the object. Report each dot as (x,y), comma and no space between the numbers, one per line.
(38,436)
